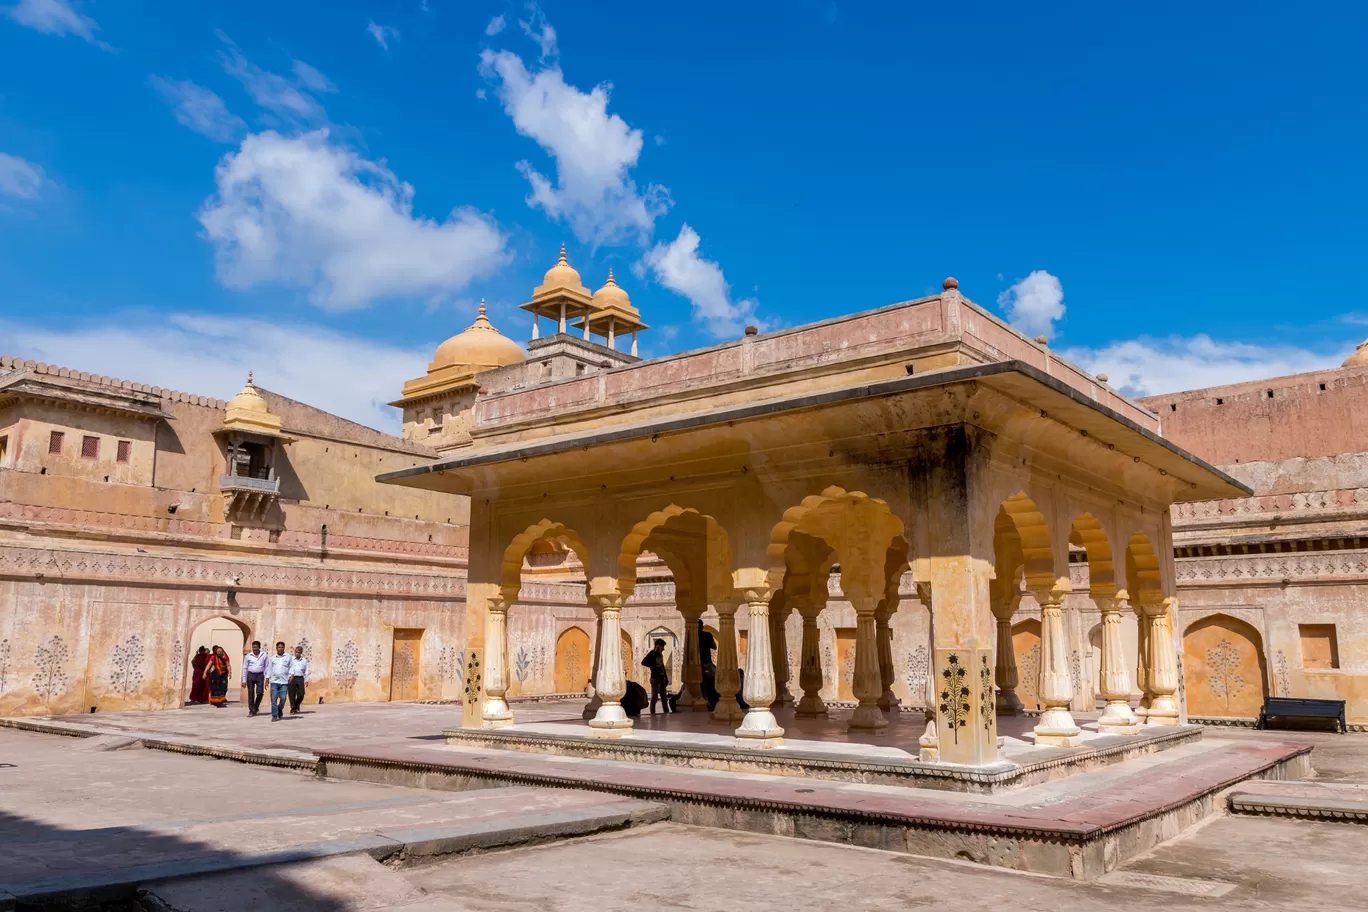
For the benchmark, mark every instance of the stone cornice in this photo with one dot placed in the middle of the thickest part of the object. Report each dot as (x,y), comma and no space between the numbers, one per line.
(1224,571)
(1304,507)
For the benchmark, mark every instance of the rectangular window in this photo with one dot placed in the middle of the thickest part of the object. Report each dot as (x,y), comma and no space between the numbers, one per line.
(55,442)
(90,447)
(125,451)
(1319,646)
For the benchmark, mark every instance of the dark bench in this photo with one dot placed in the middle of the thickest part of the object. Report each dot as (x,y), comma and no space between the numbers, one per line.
(1301,708)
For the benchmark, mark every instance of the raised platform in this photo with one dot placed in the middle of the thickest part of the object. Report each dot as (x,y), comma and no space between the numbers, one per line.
(846,760)
(1081,826)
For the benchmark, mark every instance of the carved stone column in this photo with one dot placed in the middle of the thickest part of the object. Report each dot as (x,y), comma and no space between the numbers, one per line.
(888,701)
(929,742)
(728,681)
(691,698)
(496,713)
(595,701)
(778,631)
(1117,717)
(1056,727)
(868,683)
(611,719)
(810,663)
(1005,673)
(1142,664)
(759,728)
(1163,668)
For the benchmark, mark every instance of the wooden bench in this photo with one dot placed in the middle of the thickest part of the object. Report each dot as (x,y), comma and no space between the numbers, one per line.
(1302,708)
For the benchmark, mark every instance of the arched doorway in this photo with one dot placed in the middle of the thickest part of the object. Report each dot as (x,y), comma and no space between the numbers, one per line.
(1224,669)
(629,661)
(219,631)
(573,662)
(672,650)
(1026,648)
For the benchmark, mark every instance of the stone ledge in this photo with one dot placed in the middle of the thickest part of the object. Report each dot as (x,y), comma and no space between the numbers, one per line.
(1324,806)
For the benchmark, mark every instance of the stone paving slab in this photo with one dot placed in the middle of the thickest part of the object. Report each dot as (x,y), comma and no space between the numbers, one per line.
(1325,801)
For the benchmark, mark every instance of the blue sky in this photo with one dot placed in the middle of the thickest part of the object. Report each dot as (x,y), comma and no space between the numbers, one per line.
(322,191)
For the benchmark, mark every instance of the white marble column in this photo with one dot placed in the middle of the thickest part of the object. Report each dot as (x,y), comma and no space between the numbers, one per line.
(883,632)
(929,742)
(1142,659)
(1117,717)
(611,719)
(1005,672)
(691,699)
(595,701)
(727,680)
(496,713)
(810,663)
(759,728)
(868,683)
(1163,669)
(1056,727)
(779,655)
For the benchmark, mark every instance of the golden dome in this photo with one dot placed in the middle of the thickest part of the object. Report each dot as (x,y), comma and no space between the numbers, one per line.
(479,346)
(1360,356)
(562,275)
(249,400)
(612,297)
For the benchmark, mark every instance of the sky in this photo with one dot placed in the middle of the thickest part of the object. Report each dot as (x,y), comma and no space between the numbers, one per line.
(321,192)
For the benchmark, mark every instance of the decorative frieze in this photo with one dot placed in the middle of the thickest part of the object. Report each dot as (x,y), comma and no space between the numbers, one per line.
(1273,568)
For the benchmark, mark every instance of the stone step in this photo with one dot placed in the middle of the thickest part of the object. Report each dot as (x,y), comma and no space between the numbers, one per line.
(1322,801)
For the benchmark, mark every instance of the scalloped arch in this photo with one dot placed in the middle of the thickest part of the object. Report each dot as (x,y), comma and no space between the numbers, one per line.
(1088,532)
(1037,554)
(717,551)
(510,571)
(811,508)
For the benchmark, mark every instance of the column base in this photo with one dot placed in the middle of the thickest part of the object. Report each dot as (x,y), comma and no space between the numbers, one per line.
(495,713)
(867,717)
(759,730)
(496,723)
(1109,729)
(727,711)
(889,702)
(690,703)
(929,743)
(610,722)
(782,697)
(810,707)
(1057,729)
(1163,711)
(591,708)
(1117,719)
(1008,703)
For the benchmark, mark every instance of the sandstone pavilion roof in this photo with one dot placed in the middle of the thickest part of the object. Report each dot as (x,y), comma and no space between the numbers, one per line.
(479,347)
(1359,358)
(249,413)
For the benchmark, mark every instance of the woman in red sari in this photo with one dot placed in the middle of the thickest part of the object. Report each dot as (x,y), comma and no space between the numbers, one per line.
(199,684)
(217,672)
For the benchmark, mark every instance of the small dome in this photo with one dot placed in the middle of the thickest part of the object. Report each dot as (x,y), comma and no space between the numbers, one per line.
(1360,356)
(249,400)
(612,296)
(562,275)
(479,346)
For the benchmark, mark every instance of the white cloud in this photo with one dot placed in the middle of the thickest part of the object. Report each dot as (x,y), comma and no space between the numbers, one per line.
(310,78)
(19,178)
(593,151)
(199,109)
(274,92)
(210,356)
(539,30)
(495,26)
(54,17)
(679,268)
(1149,367)
(1034,304)
(382,34)
(306,212)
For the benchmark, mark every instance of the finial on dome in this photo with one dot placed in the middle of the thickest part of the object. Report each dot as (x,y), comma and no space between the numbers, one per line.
(249,378)
(482,307)
(562,256)
(610,276)
(950,282)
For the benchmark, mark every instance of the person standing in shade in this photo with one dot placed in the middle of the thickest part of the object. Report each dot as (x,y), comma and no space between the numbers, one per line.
(299,676)
(278,676)
(707,644)
(254,676)
(660,676)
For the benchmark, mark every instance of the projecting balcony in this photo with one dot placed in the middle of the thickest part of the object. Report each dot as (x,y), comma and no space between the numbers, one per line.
(245,483)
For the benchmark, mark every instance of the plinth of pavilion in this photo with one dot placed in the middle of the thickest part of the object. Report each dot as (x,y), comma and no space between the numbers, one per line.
(824,749)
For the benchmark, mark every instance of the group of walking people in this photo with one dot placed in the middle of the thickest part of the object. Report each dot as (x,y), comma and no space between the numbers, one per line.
(635,699)
(286,673)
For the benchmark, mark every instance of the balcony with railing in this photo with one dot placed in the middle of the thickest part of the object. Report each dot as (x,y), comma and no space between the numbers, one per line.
(249,484)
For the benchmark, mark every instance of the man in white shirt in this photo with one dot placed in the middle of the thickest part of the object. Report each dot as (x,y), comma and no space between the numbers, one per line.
(254,676)
(278,674)
(299,674)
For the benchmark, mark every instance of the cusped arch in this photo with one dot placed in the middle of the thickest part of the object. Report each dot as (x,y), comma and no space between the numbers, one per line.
(717,553)
(1225,671)
(814,515)
(1143,582)
(510,571)
(1033,540)
(1087,533)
